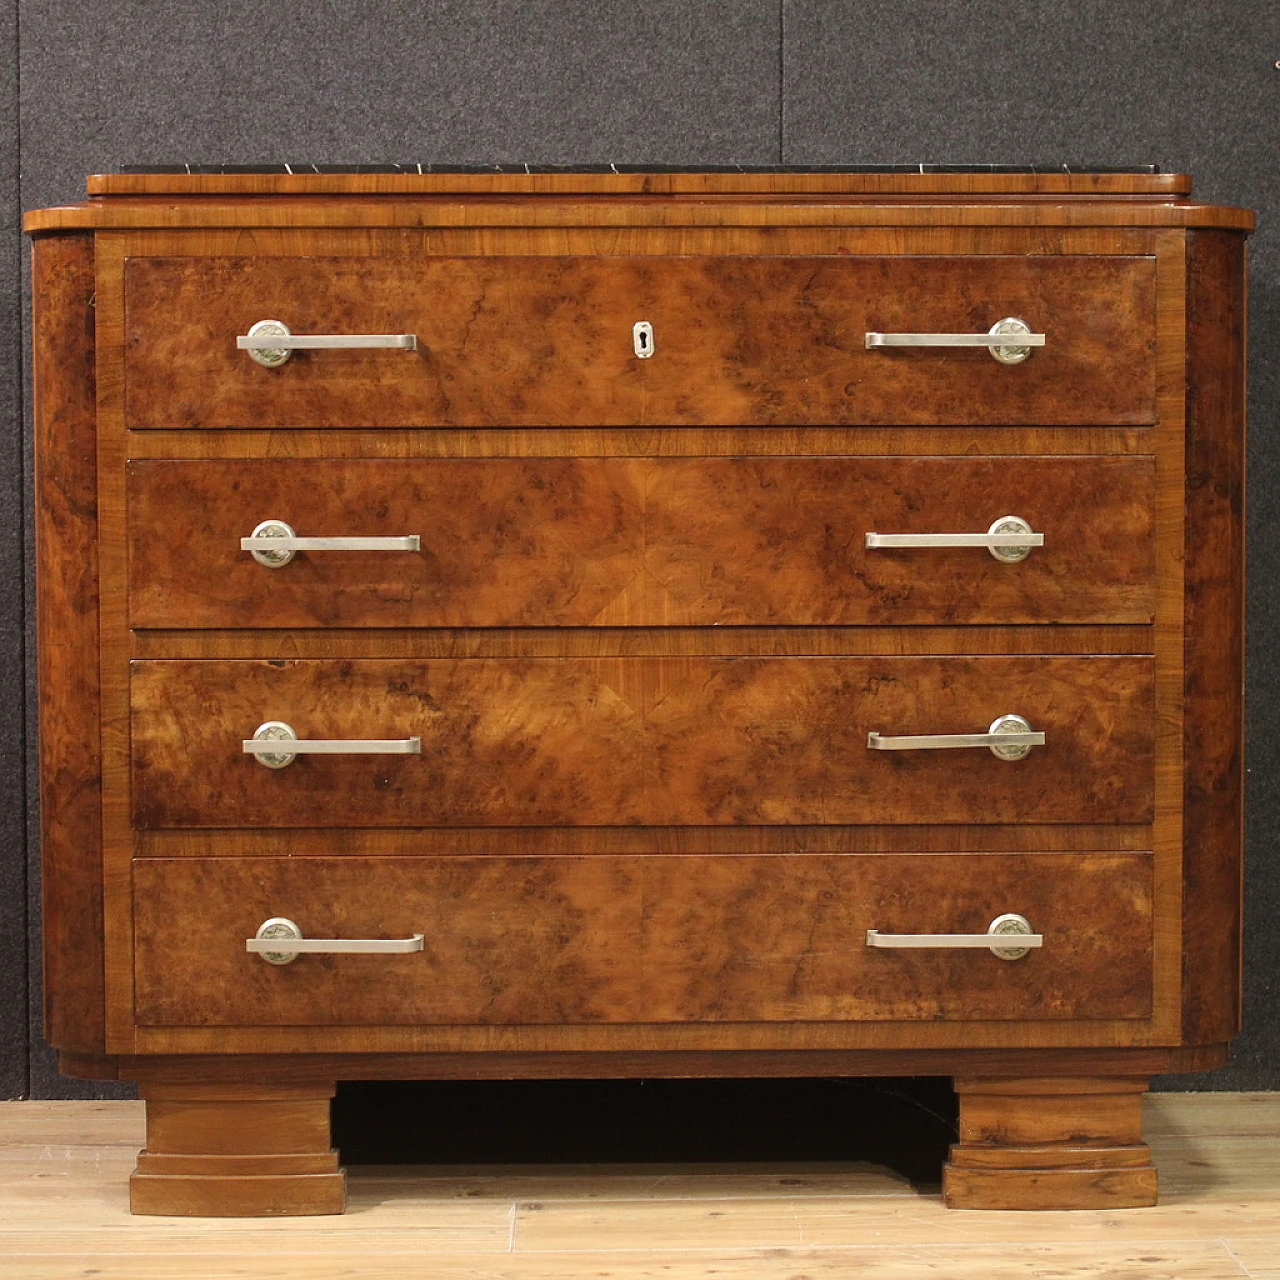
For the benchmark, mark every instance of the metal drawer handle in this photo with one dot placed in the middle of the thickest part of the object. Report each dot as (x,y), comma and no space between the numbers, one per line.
(1009,340)
(1005,926)
(272,933)
(1009,539)
(1010,738)
(274,544)
(267,739)
(272,342)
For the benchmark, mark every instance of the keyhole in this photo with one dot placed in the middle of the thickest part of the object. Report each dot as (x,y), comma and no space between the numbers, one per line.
(642,339)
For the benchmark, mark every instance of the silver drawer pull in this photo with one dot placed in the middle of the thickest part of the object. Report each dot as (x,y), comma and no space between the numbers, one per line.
(280,941)
(1009,738)
(274,544)
(269,738)
(272,342)
(1009,539)
(1009,340)
(1006,926)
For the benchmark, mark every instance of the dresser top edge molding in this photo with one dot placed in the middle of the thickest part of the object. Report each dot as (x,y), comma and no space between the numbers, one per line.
(782,196)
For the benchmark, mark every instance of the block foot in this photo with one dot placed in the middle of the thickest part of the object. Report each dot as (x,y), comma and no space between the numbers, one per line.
(237,1151)
(1052,1143)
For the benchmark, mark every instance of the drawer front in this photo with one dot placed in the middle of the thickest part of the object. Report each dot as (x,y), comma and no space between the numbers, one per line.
(640,541)
(551,341)
(648,939)
(665,741)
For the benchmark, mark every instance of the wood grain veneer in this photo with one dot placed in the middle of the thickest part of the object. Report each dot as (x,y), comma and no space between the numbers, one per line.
(66,611)
(619,1063)
(575,742)
(548,341)
(617,642)
(739,183)
(641,541)
(643,645)
(1213,726)
(1050,1144)
(259,1150)
(641,939)
(1006,201)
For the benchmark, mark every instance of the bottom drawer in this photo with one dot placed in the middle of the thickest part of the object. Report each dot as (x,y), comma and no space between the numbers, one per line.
(650,939)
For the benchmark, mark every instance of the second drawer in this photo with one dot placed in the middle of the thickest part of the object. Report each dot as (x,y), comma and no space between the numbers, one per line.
(641,541)
(643,741)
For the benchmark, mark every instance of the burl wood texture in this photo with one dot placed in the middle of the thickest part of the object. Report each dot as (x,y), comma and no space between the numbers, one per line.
(1213,729)
(67,624)
(548,341)
(642,939)
(640,541)
(241,1150)
(1050,1143)
(675,741)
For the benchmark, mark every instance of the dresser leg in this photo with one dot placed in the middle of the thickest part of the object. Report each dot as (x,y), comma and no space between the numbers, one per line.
(230,1151)
(1053,1143)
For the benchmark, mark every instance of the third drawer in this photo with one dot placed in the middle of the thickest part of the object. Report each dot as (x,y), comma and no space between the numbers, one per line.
(641,741)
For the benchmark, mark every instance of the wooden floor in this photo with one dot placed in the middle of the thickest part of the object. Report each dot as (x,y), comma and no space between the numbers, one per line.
(64,1168)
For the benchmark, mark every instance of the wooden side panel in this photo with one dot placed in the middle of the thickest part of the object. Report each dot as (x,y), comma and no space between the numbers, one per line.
(1214,655)
(676,741)
(548,341)
(67,623)
(643,939)
(640,541)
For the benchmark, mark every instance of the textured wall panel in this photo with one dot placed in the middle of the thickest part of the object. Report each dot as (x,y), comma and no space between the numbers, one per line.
(456,81)
(1192,88)
(13,876)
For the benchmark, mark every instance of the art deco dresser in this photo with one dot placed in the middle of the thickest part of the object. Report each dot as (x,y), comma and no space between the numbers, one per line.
(514,624)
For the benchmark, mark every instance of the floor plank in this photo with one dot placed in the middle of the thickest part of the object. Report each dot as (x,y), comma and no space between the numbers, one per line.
(64,1171)
(1061,1262)
(102,1124)
(778,1225)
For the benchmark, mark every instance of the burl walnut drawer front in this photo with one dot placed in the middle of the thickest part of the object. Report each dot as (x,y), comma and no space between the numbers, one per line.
(640,541)
(667,741)
(554,341)
(604,939)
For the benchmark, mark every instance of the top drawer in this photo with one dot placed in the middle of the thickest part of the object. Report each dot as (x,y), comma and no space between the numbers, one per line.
(552,341)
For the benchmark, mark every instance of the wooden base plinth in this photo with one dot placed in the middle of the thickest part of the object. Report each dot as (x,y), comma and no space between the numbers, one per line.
(237,1151)
(1053,1143)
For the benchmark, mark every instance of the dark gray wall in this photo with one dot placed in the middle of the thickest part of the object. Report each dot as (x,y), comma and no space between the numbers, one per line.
(1189,87)
(13,879)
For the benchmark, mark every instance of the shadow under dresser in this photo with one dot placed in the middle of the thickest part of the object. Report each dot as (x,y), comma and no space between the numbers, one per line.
(511,624)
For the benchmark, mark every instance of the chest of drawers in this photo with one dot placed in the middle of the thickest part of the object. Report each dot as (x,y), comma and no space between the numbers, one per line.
(516,625)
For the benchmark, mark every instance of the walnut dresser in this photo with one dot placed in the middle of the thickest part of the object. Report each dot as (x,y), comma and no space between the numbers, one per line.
(555,624)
